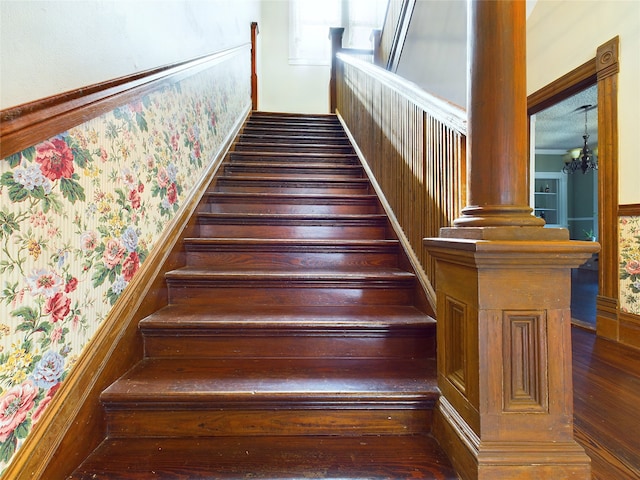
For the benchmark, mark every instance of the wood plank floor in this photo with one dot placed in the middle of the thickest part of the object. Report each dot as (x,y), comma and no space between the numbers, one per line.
(606,377)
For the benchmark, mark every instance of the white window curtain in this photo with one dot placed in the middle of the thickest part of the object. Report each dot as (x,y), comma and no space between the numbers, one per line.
(310,21)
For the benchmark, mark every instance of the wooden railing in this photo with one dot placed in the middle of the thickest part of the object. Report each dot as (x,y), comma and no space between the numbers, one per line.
(414,145)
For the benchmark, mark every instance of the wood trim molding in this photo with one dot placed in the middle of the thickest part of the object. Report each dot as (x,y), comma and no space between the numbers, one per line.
(254,76)
(564,87)
(52,449)
(27,124)
(607,59)
(629,210)
(630,329)
(601,70)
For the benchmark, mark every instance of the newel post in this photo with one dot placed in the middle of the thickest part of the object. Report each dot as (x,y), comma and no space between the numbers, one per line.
(335,34)
(503,285)
(254,75)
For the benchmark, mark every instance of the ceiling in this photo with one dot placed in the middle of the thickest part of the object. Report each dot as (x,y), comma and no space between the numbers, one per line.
(561,126)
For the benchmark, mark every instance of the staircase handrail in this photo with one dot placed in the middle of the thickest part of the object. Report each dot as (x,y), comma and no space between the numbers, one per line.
(447,112)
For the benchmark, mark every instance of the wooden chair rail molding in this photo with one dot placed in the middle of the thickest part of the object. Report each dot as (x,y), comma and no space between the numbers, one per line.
(27,124)
(413,145)
(629,210)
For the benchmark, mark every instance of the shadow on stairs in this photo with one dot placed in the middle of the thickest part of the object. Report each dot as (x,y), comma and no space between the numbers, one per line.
(295,343)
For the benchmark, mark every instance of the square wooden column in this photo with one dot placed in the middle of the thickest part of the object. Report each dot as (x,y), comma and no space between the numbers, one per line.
(504,357)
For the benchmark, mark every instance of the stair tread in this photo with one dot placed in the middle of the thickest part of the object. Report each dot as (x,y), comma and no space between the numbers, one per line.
(274,316)
(296,243)
(290,275)
(279,382)
(315,179)
(278,457)
(294,196)
(285,165)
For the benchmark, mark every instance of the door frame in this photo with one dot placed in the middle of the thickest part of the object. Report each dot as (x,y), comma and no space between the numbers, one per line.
(603,71)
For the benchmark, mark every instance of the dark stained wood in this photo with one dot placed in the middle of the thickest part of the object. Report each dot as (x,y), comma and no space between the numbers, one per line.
(606,381)
(297,324)
(254,75)
(628,210)
(372,457)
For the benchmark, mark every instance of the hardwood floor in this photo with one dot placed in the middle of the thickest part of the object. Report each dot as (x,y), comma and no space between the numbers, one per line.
(606,378)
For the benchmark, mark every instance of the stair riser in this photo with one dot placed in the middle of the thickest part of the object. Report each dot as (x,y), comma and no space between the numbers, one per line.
(299,158)
(257,259)
(277,186)
(277,138)
(286,231)
(293,129)
(192,294)
(215,422)
(221,345)
(293,148)
(293,171)
(273,207)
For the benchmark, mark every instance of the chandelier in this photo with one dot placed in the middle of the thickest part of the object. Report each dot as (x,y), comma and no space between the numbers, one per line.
(581,158)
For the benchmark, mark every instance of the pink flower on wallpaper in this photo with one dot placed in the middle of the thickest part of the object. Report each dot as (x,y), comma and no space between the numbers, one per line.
(130,266)
(163,177)
(56,334)
(633,267)
(58,306)
(71,285)
(37,413)
(134,198)
(55,159)
(103,154)
(44,282)
(140,187)
(15,404)
(172,193)
(113,253)
(88,241)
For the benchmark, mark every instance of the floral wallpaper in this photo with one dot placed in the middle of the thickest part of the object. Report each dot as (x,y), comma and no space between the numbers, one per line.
(80,212)
(630,264)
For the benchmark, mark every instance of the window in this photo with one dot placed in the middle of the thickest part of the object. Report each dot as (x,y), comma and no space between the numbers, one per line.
(310,21)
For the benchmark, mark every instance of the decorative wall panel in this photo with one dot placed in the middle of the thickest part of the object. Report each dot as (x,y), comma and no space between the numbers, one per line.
(80,212)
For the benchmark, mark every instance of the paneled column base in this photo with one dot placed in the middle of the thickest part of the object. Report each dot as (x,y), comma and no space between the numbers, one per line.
(475,459)
(504,354)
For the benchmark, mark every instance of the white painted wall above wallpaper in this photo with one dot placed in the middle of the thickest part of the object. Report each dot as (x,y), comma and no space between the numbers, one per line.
(53,46)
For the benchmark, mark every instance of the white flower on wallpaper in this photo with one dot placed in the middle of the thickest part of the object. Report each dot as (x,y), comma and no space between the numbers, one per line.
(79,214)
(630,265)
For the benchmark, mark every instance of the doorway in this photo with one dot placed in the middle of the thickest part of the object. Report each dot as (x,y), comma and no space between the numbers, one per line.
(564,185)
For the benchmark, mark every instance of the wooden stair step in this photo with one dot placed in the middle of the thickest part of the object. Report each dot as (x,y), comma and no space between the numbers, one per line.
(287,253)
(307,170)
(258,183)
(263,225)
(296,157)
(230,331)
(282,457)
(295,117)
(297,136)
(270,202)
(190,285)
(276,396)
(295,131)
(293,147)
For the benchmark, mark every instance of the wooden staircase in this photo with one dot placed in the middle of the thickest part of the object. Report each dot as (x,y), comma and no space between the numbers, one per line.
(295,343)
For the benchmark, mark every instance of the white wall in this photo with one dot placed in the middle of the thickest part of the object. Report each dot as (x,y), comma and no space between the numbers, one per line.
(562,35)
(435,51)
(283,87)
(49,47)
